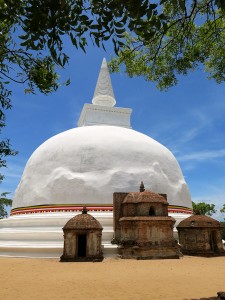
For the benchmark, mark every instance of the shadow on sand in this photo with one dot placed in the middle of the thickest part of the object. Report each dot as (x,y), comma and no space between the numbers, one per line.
(220,296)
(209,298)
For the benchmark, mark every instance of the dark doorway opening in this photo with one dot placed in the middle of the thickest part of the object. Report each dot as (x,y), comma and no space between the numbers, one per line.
(213,241)
(151,211)
(82,243)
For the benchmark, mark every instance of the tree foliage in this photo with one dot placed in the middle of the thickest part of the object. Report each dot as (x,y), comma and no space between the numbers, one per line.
(223,230)
(223,209)
(180,37)
(223,223)
(4,202)
(203,208)
(156,39)
(33,35)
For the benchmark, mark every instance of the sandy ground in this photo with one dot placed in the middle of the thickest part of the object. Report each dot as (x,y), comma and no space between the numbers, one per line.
(45,279)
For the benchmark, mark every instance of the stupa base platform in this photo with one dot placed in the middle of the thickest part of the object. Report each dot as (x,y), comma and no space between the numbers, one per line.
(40,235)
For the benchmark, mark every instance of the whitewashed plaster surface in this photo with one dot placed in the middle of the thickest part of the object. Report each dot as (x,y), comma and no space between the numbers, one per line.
(86,165)
(104,95)
(104,115)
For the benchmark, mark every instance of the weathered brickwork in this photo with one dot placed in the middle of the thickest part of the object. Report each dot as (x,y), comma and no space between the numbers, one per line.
(143,229)
(201,236)
(82,239)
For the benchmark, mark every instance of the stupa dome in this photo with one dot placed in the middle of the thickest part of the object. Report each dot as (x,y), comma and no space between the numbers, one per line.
(83,167)
(86,165)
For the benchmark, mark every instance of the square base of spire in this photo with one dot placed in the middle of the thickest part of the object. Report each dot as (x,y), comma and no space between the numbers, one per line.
(104,115)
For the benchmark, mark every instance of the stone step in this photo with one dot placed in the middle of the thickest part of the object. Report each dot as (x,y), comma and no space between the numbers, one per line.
(34,249)
(50,233)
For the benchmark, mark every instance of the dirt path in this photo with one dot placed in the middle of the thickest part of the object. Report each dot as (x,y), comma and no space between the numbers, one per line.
(45,279)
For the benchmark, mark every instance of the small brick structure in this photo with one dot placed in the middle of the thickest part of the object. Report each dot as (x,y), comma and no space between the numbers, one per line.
(142,227)
(82,239)
(200,235)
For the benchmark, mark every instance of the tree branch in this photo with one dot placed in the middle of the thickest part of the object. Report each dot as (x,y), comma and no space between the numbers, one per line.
(17,81)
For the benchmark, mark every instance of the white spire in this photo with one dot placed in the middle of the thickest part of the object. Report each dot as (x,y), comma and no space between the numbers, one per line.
(103,94)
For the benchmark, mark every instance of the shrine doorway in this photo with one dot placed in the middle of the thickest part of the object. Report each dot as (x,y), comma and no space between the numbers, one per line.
(81,245)
(213,241)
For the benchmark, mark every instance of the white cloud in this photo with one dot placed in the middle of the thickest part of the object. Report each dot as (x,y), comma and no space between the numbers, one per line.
(184,138)
(12,175)
(13,171)
(189,167)
(202,155)
(188,132)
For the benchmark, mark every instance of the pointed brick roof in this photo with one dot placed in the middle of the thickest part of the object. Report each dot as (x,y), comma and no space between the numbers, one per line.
(83,221)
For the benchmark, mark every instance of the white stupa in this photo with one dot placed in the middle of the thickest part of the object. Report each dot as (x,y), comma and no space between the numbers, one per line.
(83,167)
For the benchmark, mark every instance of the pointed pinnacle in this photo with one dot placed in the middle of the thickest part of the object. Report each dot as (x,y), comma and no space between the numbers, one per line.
(103,94)
(84,210)
(142,187)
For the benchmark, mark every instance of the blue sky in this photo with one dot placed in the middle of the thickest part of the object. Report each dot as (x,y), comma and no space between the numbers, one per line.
(189,119)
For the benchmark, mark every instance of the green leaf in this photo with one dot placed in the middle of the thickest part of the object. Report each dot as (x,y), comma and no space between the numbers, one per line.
(120,31)
(97,41)
(182,4)
(67,82)
(119,24)
(153,6)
